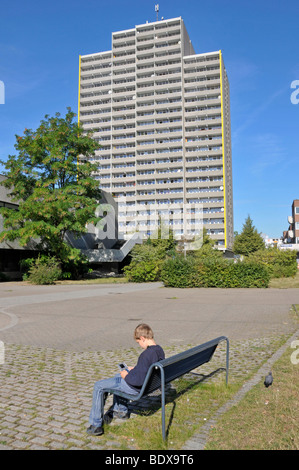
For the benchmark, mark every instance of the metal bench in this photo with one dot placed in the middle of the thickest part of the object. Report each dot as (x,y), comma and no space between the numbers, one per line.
(165,371)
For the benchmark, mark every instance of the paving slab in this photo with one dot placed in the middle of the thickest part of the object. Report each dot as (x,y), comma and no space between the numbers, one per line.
(60,339)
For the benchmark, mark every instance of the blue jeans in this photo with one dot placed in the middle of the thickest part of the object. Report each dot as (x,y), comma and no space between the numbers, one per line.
(99,398)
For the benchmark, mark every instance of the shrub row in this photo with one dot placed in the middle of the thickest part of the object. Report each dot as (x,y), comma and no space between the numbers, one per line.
(280,263)
(181,272)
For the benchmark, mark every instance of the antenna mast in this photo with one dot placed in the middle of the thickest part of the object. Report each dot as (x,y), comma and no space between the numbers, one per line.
(157,11)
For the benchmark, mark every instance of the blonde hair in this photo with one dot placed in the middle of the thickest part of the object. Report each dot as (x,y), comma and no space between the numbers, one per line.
(143,330)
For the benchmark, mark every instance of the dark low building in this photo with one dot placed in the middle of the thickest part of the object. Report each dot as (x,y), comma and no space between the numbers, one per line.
(99,244)
(11,253)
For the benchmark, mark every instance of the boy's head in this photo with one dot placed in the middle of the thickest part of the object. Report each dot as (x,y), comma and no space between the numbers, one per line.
(144,335)
(143,330)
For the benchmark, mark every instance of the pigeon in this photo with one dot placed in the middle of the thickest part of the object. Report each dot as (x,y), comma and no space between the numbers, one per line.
(268,380)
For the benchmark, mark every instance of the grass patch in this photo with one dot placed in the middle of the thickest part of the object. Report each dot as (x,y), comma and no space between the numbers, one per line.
(101,280)
(267,418)
(285,282)
(192,404)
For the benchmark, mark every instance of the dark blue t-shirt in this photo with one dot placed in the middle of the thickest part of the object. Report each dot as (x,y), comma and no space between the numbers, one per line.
(136,376)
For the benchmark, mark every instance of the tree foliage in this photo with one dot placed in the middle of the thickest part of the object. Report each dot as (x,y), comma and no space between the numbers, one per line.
(207,249)
(55,193)
(147,259)
(280,263)
(249,240)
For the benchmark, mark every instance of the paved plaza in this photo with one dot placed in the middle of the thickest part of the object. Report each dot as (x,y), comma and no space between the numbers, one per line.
(60,339)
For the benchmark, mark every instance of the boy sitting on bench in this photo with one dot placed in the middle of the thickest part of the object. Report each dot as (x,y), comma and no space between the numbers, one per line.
(129,380)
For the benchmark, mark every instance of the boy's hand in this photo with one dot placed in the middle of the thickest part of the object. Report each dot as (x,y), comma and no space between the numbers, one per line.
(123,373)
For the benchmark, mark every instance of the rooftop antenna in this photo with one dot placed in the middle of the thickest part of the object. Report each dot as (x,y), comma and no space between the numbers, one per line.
(157,11)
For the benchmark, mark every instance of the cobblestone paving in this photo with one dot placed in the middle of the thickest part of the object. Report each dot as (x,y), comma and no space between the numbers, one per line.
(46,394)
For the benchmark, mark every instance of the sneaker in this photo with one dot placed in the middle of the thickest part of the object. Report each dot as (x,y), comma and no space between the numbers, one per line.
(95,430)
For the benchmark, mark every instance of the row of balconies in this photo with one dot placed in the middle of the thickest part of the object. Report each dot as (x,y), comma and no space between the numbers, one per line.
(124,51)
(150,167)
(168,155)
(152,198)
(167,99)
(177,216)
(153,109)
(190,87)
(159,37)
(160,142)
(119,38)
(208,205)
(171,185)
(172,177)
(151,96)
(153,125)
(201,66)
(185,216)
(102,57)
(105,60)
(158,28)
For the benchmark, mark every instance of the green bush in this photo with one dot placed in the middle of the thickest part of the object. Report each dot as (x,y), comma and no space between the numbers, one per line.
(248,274)
(145,271)
(45,270)
(180,272)
(280,263)
(146,263)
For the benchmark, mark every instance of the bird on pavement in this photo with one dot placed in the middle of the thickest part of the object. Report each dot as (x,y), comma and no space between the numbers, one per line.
(268,380)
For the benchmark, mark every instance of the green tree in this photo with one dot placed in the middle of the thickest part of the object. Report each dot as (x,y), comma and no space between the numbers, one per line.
(208,250)
(147,259)
(163,238)
(50,178)
(249,240)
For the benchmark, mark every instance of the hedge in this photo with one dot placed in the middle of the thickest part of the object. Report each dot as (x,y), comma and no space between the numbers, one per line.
(280,263)
(181,272)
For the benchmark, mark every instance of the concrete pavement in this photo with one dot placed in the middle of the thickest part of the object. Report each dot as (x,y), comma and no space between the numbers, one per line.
(102,317)
(60,339)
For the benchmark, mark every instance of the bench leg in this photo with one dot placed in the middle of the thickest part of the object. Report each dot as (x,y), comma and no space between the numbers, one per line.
(163,416)
(227,359)
(163,404)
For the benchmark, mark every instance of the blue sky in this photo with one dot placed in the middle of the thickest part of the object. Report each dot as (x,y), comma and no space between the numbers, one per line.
(40,44)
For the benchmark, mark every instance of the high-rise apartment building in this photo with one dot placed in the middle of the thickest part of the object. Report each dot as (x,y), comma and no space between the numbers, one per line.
(161,116)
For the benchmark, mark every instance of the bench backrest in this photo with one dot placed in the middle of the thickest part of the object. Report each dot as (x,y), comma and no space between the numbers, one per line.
(179,364)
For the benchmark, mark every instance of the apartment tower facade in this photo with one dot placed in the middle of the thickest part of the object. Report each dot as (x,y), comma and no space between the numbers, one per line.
(161,116)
